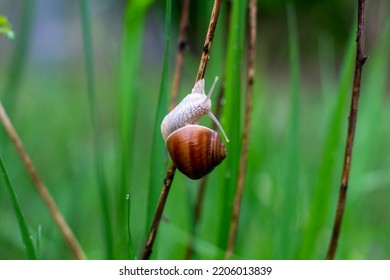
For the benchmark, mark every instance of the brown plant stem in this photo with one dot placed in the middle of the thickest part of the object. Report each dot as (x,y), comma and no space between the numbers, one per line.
(160,208)
(171,171)
(245,140)
(360,59)
(175,91)
(41,188)
(209,39)
(202,188)
(197,215)
(182,44)
(203,183)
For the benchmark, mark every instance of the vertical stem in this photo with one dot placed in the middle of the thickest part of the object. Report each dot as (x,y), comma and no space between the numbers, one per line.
(245,140)
(209,39)
(158,154)
(171,171)
(160,208)
(196,218)
(202,187)
(360,59)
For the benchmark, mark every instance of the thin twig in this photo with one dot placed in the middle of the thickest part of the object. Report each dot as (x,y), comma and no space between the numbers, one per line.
(203,183)
(202,187)
(197,215)
(360,59)
(245,140)
(175,90)
(180,53)
(171,171)
(209,39)
(41,188)
(160,208)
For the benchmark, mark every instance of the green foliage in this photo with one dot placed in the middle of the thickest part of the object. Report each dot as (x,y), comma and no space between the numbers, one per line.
(17,65)
(290,200)
(105,168)
(26,236)
(128,98)
(158,166)
(98,155)
(231,118)
(6,28)
(326,187)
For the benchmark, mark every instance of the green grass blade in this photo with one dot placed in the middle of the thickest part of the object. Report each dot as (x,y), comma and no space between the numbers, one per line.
(130,246)
(98,149)
(27,240)
(158,166)
(325,187)
(291,193)
(39,242)
(374,87)
(231,119)
(371,136)
(128,82)
(18,59)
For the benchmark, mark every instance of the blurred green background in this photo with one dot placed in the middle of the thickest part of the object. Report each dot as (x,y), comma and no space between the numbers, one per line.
(93,145)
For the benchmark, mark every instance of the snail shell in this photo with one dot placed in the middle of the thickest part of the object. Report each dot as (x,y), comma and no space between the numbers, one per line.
(196,150)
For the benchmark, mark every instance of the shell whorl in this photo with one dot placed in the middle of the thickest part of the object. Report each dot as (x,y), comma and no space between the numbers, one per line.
(196,150)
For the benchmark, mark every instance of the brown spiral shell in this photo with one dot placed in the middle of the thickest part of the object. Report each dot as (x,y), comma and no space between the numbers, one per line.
(196,150)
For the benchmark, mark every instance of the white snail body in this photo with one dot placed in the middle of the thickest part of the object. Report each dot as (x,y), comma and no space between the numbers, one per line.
(194,149)
(188,111)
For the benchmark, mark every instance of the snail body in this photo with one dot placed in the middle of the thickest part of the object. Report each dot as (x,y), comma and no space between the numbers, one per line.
(195,150)
(188,111)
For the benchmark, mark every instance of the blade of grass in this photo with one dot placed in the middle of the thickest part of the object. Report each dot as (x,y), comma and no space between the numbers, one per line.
(375,86)
(98,148)
(18,60)
(291,191)
(157,168)
(252,24)
(128,80)
(322,193)
(326,61)
(129,238)
(26,236)
(231,120)
(39,242)
(371,129)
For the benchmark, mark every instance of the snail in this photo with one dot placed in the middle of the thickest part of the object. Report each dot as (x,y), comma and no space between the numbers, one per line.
(195,150)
